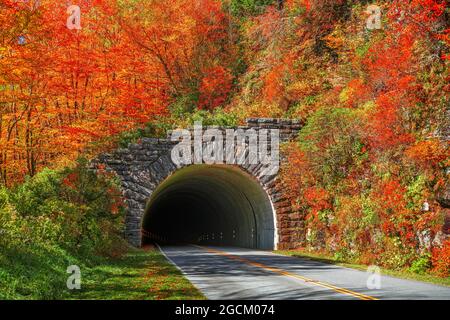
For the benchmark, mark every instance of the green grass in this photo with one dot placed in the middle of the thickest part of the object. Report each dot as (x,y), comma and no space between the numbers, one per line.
(35,271)
(139,275)
(38,272)
(404,274)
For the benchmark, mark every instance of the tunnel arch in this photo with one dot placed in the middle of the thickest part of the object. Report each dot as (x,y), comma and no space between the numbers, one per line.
(143,167)
(211,204)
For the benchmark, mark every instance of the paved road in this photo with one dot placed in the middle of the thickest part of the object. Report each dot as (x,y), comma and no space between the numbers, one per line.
(235,273)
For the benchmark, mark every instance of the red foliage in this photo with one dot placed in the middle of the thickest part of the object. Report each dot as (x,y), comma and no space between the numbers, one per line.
(358,93)
(428,153)
(62,89)
(373,207)
(385,125)
(273,83)
(317,198)
(215,87)
(440,259)
(70,180)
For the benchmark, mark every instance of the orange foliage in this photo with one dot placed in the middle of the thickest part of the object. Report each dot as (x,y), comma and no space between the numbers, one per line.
(428,152)
(215,87)
(62,89)
(440,259)
(385,125)
(318,200)
(358,93)
(273,83)
(297,170)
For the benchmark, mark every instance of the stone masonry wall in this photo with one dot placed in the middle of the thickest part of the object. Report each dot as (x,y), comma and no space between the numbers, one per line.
(142,166)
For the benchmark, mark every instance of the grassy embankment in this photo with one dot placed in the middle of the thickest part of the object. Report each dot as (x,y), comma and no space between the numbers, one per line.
(140,275)
(40,273)
(74,217)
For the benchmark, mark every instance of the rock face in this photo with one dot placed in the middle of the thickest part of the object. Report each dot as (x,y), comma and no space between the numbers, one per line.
(141,168)
(443,197)
(446,227)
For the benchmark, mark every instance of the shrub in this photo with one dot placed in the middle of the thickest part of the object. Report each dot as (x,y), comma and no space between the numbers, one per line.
(155,129)
(332,141)
(218,117)
(422,264)
(54,220)
(441,260)
(242,8)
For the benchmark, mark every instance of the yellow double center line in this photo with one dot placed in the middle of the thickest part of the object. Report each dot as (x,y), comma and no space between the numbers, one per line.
(292,275)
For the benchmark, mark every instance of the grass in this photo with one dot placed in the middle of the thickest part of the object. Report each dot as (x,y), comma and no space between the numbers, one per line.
(404,274)
(139,275)
(35,271)
(38,272)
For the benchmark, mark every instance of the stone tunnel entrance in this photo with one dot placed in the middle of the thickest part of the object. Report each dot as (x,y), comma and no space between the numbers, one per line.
(210,204)
(233,204)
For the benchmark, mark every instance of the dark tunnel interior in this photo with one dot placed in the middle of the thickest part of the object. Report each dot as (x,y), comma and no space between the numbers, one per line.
(211,205)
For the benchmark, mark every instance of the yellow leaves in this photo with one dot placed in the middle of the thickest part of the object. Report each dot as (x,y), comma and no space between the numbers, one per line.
(189,22)
(429,152)
(170,38)
(302,88)
(336,39)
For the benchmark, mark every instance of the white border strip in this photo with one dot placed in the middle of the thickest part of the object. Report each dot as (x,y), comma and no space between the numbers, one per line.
(181,270)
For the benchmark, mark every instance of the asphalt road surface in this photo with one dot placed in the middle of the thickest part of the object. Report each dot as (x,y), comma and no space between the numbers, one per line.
(235,273)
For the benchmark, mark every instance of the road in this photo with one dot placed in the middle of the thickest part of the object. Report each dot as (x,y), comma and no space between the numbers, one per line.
(235,273)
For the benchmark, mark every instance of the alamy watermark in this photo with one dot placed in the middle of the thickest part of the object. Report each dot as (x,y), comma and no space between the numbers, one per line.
(374,20)
(228,146)
(74,280)
(374,278)
(73,21)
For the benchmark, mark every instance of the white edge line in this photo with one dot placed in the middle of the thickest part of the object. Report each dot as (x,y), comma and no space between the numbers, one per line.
(176,266)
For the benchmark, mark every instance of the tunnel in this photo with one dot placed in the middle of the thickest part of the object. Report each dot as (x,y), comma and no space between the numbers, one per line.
(210,205)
